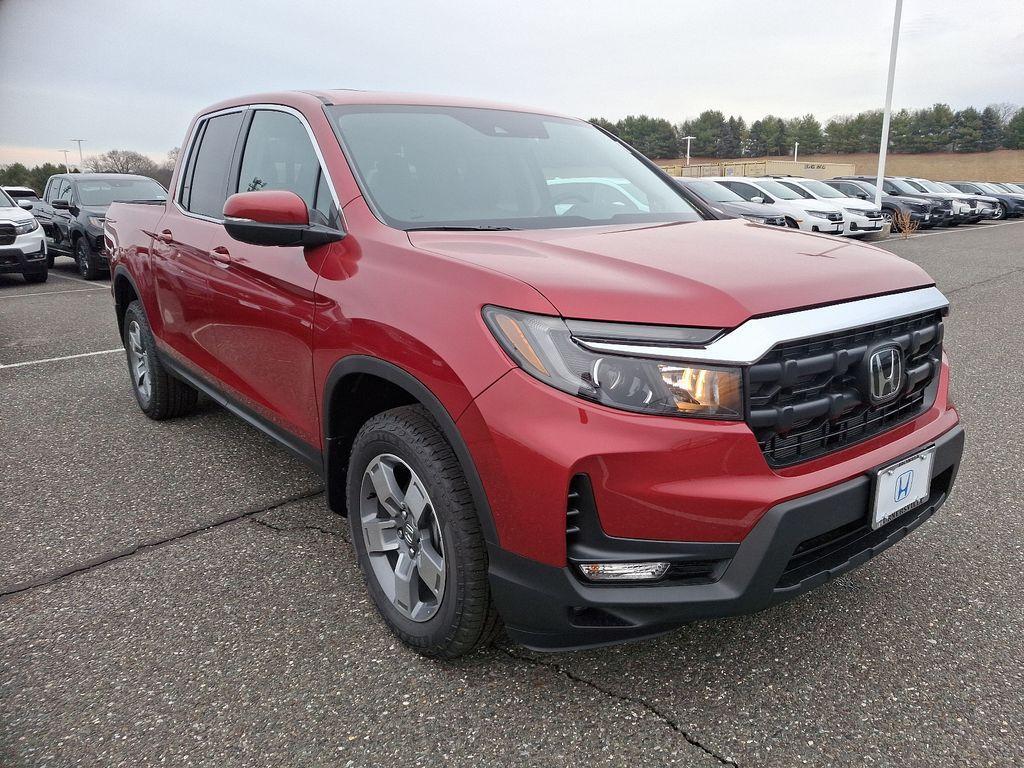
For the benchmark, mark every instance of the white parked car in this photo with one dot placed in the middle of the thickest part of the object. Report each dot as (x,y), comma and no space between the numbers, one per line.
(862,218)
(22,245)
(808,215)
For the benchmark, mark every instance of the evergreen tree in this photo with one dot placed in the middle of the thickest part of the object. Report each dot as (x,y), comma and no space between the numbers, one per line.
(653,136)
(608,125)
(966,131)
(991,130)
(1014,137)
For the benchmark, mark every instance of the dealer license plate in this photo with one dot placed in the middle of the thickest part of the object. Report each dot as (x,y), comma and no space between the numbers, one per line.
(902,486)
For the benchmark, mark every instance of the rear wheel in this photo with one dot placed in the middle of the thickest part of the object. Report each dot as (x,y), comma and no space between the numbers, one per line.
(88,266)
(158,392)
(417,536)
(1001,212)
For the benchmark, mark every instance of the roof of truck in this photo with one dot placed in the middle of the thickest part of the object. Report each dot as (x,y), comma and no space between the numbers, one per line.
(331,97)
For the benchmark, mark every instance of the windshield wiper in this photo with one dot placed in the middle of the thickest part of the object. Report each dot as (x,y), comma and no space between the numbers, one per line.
(449,228)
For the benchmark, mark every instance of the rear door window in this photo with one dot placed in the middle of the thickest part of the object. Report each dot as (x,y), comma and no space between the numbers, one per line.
(205,186)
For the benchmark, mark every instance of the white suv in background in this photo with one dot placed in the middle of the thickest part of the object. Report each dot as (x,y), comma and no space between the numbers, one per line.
(809,215)
(862,218)
(22,245)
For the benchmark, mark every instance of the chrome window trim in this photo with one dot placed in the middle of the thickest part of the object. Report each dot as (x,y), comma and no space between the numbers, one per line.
(748,343)
(242,108)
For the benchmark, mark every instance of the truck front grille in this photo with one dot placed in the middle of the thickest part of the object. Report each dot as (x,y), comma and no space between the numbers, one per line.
(807,398)
(7,234)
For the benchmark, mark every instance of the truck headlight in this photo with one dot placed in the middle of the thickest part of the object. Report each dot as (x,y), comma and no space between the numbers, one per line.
(755,218)
(96,221)
(819,214)
(546,348)
(24,229)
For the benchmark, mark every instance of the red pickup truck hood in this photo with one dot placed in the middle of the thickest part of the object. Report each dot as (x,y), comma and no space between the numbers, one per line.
(706,273)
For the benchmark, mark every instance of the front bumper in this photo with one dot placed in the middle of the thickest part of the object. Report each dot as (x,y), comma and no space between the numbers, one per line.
(824,226)
(26,254)
(795,546)
(862,225)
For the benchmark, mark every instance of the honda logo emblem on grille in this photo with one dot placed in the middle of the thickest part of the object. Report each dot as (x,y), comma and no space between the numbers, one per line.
(885,373)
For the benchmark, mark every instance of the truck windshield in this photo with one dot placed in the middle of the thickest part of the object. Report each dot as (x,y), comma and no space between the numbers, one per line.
(106,191)
(431,167)
(5,200)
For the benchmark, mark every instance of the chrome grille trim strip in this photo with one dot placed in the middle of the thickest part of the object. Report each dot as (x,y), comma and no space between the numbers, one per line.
(749,342)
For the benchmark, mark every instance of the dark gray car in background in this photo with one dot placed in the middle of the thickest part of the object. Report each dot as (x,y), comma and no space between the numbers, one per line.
(723,200)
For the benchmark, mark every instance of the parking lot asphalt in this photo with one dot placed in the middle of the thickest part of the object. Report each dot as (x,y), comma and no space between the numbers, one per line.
(176,594)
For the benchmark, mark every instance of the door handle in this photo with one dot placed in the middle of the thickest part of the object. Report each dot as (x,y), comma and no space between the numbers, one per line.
(165,236)
(220,256)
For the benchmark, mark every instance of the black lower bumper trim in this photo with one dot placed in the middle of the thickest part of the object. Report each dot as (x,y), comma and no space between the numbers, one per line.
(16,260)
(796,546)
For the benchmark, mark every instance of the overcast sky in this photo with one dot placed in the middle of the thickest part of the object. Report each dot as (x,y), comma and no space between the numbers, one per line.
(130,74)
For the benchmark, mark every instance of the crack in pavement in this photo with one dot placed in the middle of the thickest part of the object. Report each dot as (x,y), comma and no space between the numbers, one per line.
(304,527)
(673,724)
(135,549)
(983,282)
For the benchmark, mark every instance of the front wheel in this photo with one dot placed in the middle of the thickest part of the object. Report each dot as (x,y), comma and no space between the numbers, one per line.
(889,215)
(86,259)
(37,277)
(158,392)
(1001,212)
(417,536)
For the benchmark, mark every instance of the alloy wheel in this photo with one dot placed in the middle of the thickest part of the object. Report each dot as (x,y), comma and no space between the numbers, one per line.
(83,258)
(138,362)
(402,537)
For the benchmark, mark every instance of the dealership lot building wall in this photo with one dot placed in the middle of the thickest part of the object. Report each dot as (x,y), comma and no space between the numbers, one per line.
(1001,165)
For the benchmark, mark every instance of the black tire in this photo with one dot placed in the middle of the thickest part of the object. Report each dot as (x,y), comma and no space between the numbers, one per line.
(1002,212)
(37,277)
(49,260)
(791,223)
(891,215)
(168,396)
(86,260)
(465,617)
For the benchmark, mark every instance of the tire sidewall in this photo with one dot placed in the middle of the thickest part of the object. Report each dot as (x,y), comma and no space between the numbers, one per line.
(133,314)
(437,630)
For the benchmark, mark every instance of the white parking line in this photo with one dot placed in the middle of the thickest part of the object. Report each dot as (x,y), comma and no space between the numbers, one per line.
(958,230)
(58,359)
(76,280)
(50,293)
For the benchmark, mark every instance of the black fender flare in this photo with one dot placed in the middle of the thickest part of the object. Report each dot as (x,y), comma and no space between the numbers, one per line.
(122,271)
(373,366)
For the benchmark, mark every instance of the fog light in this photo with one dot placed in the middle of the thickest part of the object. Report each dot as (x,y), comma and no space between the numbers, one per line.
(623,571)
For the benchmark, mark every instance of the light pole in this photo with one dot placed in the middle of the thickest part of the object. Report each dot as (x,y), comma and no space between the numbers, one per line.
(67,167)
(884,146)
(796,146)
(81,161)
(688,139)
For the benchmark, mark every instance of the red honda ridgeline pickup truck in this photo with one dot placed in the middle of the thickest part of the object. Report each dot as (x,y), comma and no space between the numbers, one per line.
(543,386)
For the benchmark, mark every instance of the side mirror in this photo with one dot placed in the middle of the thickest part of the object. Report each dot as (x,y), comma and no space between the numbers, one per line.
(274,217)
(61,205)
(25,204)
(757,199)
